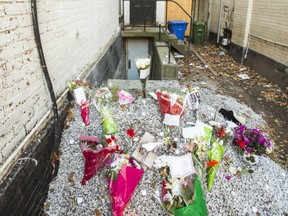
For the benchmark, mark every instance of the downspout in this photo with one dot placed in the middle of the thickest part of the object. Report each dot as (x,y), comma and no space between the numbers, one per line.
(219,21)
(209,18)
(49,85)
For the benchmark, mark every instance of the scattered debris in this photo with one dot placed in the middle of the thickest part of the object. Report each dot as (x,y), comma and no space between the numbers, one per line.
(243,76)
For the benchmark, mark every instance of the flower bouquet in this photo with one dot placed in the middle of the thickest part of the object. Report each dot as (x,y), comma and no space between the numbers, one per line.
(84,106)
(124,97)
(197,142)
(220,135)
(171,106)
(252,141)
(183,196)
(124,174)
(95,153)
(79,89)
(143,67)
(103,103)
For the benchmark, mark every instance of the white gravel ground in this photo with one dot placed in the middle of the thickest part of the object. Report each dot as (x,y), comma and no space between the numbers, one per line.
(262,193)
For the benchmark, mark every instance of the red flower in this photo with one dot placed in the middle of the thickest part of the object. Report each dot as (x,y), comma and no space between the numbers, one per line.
(212,163)
(221,133)
(131,132)
(241,143)
(113,138)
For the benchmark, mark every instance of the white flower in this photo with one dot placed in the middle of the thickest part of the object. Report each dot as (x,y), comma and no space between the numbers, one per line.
(142,64)
(167,197)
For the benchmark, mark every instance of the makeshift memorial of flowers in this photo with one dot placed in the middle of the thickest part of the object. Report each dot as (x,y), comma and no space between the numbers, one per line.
(143,67)
(252,141)
(95,153)
(182,193)
(80,90)
(124,174)
(219,137)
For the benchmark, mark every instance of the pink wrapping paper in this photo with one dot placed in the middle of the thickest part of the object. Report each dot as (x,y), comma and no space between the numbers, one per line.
(85,112)
(94,159)
(123,188)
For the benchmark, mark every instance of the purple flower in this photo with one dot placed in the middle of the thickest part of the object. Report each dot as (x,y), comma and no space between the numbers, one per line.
(246,141)
(248,148)
(228,177)
(262,140)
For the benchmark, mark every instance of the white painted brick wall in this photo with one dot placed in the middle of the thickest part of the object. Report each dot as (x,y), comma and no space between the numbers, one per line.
(72,32)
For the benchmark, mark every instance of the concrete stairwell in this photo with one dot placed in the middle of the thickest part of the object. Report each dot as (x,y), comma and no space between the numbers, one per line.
(179,45)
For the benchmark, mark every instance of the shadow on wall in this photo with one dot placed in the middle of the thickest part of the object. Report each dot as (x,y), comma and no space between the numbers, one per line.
(111,65)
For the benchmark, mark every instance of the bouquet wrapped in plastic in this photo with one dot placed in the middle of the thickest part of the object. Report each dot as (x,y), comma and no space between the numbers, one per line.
(84,106)
(80,89)
(143,67)
(103,103)
(124,175)
(95,153)
(220,136)
(183,196)
(171,106)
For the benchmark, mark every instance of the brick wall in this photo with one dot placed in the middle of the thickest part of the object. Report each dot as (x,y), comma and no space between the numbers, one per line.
(264,18)
(72,32)
(270,21)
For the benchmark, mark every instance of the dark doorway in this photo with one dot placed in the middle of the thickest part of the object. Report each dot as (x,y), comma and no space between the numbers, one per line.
(142,12)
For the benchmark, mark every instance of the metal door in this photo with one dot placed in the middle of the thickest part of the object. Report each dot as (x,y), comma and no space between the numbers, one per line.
(142,12)
(136,48)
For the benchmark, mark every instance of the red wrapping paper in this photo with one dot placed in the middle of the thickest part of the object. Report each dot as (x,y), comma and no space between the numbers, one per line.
(85,112)
(123,188)
(94,159)
(165,105)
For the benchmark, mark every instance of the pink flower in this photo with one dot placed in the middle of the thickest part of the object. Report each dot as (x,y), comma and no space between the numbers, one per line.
(125,97)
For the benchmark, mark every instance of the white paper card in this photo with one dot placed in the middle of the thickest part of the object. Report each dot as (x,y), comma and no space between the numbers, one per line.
(182,166)
(173,120)
(189,132)
(144,73)
(192,99)
(243,76)
(80,95)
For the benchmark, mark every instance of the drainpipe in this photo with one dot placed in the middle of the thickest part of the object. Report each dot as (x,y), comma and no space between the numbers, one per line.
(49,84)
(219,21)
(209,18)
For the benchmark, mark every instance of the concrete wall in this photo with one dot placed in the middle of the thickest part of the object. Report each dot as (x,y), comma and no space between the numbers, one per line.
(73,33)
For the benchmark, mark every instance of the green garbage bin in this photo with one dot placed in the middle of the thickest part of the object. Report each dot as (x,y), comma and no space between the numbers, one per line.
(198,32)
